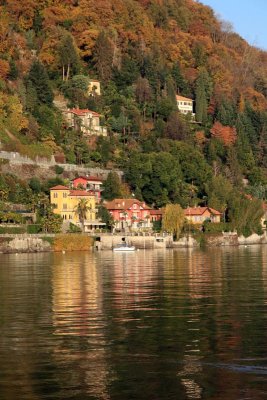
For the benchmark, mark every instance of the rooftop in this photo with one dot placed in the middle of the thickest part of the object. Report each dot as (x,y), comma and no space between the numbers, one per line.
(59,187)
(183,98)
(81,112)
(200,211)
(125,204)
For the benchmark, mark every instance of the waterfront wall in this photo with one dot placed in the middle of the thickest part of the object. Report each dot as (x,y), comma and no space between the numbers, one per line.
(43,243)
(107,242)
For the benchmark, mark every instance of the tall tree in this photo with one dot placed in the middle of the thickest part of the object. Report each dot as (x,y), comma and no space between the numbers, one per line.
(103,56)
(173,219)
(81,210)
(39,82)
(68,54)
(203,93)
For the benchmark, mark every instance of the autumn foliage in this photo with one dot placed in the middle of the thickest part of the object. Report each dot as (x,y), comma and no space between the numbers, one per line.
(226,134)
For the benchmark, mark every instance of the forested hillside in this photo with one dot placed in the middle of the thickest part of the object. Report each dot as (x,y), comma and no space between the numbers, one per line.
(143,52)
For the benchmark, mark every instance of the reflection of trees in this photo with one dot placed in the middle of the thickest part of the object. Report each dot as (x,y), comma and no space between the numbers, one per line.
(79,322)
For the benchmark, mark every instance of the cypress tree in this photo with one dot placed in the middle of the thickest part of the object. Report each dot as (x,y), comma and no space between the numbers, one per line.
(40,82)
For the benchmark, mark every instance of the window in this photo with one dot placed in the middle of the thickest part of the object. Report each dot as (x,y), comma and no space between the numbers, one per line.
(55,196)
(65,195)
(65,206)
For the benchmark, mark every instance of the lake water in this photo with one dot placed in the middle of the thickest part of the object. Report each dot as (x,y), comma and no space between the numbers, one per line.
(173,324)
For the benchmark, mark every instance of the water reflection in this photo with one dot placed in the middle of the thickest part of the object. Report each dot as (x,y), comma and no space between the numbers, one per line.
(182,324)
(78,312)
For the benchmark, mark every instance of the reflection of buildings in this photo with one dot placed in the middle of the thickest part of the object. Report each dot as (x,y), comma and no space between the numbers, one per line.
(133,278)
(78,316)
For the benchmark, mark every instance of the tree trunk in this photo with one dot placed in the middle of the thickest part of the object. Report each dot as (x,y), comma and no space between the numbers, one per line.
(68,72)
(63,73)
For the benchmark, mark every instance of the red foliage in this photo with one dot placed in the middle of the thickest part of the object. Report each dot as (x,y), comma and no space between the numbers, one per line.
(226,134)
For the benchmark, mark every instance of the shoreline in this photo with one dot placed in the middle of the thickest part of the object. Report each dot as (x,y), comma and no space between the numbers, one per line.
(39,243)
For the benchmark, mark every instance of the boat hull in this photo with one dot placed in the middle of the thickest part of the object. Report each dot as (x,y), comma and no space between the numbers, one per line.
(132,248)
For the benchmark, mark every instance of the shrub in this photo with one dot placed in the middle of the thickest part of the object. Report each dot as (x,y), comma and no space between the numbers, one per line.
(34,228)
(59,170)
(13,229)
(217,227)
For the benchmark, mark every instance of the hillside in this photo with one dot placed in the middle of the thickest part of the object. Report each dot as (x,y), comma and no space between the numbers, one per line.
(144,53)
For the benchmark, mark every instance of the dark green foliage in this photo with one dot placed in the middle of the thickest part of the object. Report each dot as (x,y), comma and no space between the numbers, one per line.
(156,175)
(74,228)
(39,81)
(181,84)
(103,55)
(13,70)
(34,228)
(104,215)
(226,113)
(203,92)
(35,185)
(244,214)
(59,170)
(112,187)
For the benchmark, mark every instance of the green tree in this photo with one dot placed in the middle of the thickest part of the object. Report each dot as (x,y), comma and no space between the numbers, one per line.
(112,187)
(104,215)
(203,93)
(68,54)
(51,223)
(103,56)
(81,210)
(39,80)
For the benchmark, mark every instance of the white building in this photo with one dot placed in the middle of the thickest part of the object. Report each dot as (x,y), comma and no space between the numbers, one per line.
(185,105)
(94,88)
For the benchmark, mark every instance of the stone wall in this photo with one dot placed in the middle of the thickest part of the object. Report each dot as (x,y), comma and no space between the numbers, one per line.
(107,242)
(22,244)
(44,242)
(45,163)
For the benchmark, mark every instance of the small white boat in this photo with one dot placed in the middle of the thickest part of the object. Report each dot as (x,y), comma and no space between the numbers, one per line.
(123,247)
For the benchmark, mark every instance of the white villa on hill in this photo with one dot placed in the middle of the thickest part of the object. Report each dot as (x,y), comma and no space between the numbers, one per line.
(185,105)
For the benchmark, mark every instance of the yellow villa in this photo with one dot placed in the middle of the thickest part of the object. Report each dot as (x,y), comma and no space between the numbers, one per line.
(65,202)
(198,215)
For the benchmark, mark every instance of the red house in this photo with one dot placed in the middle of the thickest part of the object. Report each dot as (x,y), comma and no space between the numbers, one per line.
(129,213)
(92,183)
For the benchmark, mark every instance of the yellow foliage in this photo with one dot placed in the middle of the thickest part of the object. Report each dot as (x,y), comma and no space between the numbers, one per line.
(73,242)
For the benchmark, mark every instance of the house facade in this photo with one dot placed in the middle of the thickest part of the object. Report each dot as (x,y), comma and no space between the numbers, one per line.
(94,88)
(85,120)
(185,105)
(91,183)
(198,215)
(65,202)
(129,213)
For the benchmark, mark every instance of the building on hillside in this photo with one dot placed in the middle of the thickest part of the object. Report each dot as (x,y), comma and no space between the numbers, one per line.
(129,213)
(91,183)
(156,215)
(198,215)
(65,202)
(85,120)
(94,88)
(185,105)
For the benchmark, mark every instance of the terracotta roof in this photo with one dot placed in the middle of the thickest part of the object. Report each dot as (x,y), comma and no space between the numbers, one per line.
(124,204)
(156,212)
(82,112)
(200,211)
(183,98)
(88,178)
(59,187)
(80,193)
